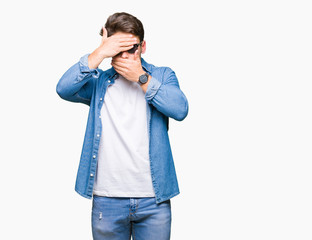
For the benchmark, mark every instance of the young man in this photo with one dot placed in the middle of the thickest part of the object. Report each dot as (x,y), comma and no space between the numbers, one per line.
(126,163)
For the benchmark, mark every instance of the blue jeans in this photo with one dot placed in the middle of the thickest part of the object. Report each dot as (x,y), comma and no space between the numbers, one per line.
(121,218)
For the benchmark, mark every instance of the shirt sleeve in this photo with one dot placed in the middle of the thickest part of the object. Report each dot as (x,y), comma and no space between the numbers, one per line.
(77,83)
(164,93)
(85,70)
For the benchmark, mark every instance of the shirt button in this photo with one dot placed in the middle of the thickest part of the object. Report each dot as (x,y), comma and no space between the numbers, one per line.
(109,81)
(98,135)
(101,99)
(94,156)
(91,175)
(99,116)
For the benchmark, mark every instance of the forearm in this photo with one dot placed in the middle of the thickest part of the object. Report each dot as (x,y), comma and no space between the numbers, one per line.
(145,85)
(76,84)
(167,98)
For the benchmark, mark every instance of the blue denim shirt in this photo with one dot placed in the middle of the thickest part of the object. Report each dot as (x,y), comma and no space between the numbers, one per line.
(164,99)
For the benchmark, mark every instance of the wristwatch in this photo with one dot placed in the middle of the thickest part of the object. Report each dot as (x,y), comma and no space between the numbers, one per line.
(143,78)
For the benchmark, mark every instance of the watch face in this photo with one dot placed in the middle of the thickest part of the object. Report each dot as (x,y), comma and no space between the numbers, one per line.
(143,78)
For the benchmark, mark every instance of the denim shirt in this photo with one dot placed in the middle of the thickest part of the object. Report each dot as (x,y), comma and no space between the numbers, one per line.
(164,99)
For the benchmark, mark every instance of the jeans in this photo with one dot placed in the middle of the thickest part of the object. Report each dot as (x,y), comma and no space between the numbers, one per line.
(120,218)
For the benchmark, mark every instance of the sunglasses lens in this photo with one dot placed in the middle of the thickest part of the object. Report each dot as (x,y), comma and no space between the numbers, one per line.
(132,50)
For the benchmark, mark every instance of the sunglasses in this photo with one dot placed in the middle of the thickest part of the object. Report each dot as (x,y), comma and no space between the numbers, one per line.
(134,48)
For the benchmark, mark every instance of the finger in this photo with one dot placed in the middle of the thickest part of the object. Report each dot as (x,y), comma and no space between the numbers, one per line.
(124,35)
(118,69)
(121,64)
(123,38)
(126,44)
(120,60)
(128,40)
(125,48)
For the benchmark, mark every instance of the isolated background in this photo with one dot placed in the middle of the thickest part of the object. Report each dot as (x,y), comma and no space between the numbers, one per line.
(243,155)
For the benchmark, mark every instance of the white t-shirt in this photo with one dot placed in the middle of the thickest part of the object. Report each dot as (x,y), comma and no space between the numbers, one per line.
(123,168)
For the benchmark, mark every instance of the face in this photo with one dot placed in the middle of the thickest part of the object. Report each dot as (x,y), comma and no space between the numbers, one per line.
(126,54)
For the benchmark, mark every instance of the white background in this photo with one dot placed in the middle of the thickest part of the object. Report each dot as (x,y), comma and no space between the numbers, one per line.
(243,154)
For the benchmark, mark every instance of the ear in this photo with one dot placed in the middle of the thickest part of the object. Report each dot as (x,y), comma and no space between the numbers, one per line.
(143,46)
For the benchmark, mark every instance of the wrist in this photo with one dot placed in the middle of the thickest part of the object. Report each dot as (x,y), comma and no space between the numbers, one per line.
(95,58)
(144,86)
(101,53)
(143,78)
(140,73)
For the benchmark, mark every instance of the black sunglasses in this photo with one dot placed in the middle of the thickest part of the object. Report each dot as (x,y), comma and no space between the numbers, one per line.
(134,48)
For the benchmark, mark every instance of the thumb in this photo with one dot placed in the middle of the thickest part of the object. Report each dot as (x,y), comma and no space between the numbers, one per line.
(104,33)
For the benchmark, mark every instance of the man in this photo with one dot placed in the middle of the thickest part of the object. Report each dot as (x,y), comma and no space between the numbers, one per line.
(126,164)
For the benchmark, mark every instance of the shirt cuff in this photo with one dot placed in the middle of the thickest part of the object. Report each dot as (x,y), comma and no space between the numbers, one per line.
(152,89)
(85,70)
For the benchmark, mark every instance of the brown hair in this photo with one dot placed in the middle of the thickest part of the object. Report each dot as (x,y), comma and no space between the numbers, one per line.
(124,22)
